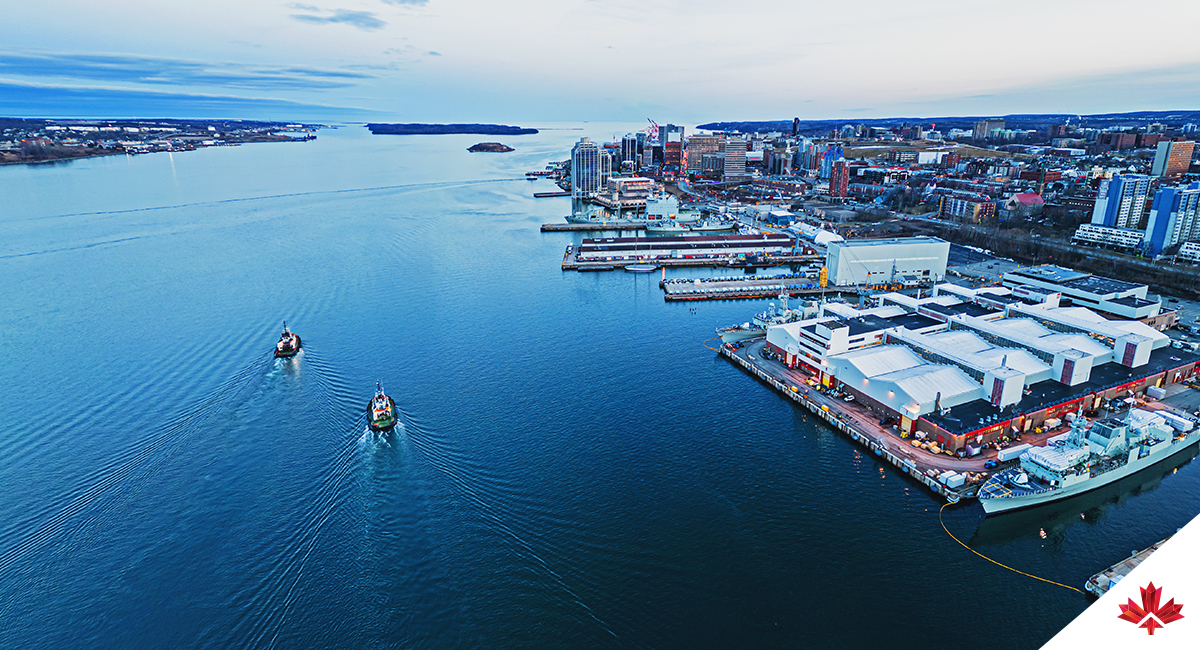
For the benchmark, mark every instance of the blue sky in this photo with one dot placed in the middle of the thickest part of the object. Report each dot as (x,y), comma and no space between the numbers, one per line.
(556,60)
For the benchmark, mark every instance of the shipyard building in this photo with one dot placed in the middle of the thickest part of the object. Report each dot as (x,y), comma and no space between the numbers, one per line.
(887,261)
(1112,298)
(967,366)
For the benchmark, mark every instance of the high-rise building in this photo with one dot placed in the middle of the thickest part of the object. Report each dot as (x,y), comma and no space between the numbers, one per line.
(984,128)
(834,152)
(1174,217)
(629,148)
(1121,201)
(839,178)
(795,126)
(590,169)
(735,158)
(698,145)
(1172,158)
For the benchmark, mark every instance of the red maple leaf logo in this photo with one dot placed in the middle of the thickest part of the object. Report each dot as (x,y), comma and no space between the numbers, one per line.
(1150,615)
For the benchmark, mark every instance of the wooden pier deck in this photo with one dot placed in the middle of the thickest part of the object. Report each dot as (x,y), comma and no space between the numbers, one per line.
(589,227)
(1100,583)
(858,425)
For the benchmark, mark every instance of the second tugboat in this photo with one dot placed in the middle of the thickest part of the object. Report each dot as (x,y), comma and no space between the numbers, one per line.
(288,345)
(382,411)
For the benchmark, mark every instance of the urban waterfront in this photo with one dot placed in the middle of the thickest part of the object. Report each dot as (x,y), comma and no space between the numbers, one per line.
(575,468)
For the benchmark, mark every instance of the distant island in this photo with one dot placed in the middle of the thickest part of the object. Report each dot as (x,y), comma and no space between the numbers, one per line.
(490,147)
(447,129)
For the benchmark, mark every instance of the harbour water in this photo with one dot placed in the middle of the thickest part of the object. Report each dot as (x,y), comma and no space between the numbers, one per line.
(574,468)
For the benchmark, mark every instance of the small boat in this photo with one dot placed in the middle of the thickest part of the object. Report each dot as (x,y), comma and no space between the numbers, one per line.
(641,268)
(382,411)
(288,345)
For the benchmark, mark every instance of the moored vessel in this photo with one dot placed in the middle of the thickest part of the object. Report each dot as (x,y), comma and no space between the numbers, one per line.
(381,411)
(1087,458)
(758,326)
(640,268)
(288,345)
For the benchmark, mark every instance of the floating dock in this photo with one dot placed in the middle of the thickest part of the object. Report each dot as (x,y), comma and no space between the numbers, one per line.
(922,466)
(543,195)
(1100,583)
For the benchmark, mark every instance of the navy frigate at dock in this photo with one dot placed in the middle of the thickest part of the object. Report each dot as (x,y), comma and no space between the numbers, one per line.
(1087,458)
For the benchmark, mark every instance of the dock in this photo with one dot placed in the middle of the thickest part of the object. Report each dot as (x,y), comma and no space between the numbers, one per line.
(1100,583)
(733,251)
(860,427)
(750,287)
(591,227)
(543,195)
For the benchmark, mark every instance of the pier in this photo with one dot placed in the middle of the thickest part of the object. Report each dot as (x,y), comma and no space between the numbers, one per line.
(543,195)
(1100,583)
(858,426)
(750,287)
(735,251)
(598,226)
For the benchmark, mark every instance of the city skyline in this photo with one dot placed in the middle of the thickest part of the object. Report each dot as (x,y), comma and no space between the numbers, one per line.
(430,60)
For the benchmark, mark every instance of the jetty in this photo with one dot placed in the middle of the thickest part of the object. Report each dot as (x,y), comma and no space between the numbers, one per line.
(1100,583)
(591,227)
(858,424)
(750,287)
(543,195)
(737,251)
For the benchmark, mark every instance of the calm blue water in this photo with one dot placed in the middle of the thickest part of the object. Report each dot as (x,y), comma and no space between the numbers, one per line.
(575,469)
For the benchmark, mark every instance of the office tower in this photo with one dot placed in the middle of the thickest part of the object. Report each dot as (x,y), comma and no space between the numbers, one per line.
(795,126)
(629,148)
(735,158)
(1172,158)
(590,169)
(1121,201)
(1173,217)
(984,128)
(698,145)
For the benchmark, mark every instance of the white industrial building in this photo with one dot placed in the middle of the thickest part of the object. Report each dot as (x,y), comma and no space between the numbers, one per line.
(1116,297)
(881,261)
(965,365)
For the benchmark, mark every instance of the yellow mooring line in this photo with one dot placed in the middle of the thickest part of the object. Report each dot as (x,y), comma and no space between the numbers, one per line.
(995,562)
(705,344)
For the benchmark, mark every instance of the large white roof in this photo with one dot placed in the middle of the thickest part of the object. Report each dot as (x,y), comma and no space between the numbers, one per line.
(878,360)
(924,383)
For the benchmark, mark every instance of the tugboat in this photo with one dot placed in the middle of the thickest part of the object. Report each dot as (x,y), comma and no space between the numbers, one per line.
(288,345)
(382,411)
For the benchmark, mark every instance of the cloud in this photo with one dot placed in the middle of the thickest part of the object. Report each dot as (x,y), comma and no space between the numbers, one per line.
(364,20)
(25,99)
(413,3)
(126,68)
(432,53)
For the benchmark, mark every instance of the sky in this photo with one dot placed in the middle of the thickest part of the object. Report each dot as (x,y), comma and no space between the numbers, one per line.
(528,61)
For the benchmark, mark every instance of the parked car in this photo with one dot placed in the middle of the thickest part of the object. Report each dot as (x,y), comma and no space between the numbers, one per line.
(848,398)
(991,464)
